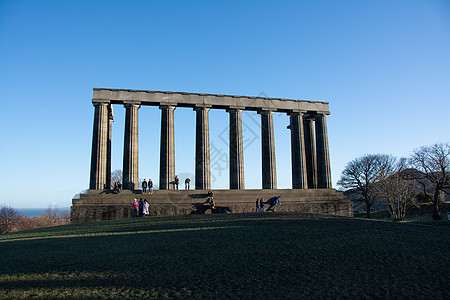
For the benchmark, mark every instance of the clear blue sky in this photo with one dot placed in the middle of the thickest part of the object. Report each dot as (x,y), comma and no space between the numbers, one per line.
(384,67)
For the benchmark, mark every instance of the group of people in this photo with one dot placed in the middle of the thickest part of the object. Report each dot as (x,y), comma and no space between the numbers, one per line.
(272,204)
(117,187)
(146,185)
(176,183)
(141,208)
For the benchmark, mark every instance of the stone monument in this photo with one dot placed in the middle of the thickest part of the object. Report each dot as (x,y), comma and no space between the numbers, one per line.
(311,176)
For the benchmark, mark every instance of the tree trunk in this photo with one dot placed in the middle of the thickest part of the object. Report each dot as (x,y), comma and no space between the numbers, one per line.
(436,203)
(368,206)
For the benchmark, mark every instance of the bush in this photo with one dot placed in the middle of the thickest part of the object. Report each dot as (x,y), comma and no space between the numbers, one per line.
(50,218)
(422,197)
(12,221)
(8,219)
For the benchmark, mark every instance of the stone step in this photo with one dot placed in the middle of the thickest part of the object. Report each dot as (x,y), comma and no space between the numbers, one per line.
(100,205)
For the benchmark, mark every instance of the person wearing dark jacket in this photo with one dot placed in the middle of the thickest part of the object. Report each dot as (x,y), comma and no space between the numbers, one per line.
(141,208)
(144,186)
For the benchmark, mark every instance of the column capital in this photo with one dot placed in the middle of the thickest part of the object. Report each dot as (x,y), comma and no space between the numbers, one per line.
(131,104)
(266,111)
(167,106)
(293,112)
(100,103)
(235,108)
(201,107)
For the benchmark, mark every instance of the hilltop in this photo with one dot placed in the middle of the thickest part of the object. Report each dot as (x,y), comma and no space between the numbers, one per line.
(247,256)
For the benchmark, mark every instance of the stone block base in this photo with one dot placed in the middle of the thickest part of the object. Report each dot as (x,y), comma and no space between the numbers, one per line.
(105,205)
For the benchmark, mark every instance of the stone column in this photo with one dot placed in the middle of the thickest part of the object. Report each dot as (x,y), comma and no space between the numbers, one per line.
(167,155)
(202,162)
(236,150)
(108,158)
(323,156)
(131,148)
(310,152)
(299,173)
(269,172)
(99,147)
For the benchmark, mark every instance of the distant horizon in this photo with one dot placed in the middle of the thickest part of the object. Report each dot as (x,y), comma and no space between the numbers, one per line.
(36,211)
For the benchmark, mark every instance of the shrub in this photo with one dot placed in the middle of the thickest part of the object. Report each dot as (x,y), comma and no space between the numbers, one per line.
(423,197)
(8,219)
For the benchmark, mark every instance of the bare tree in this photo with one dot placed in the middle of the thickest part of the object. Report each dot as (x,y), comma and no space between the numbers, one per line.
(8,218)
(49,217)
(116,176)
(395,188)
(434,163)
(362,173)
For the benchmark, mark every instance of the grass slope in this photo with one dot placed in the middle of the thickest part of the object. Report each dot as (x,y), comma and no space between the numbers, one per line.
(231,256)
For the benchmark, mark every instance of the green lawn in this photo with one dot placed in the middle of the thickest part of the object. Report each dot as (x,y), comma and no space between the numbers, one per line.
(252,256)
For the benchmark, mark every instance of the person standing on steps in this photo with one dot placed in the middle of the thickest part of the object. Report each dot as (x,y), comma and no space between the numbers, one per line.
(257,205)
(146,205)
(135,207)
(176,182)
(144,186)
(187,183)
(261,204)
(150,186)
(141,208)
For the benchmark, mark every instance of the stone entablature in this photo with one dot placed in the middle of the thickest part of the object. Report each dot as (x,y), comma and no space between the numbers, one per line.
(158,98)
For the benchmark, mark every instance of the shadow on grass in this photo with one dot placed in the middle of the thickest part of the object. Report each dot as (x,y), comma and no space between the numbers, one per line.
(228,256)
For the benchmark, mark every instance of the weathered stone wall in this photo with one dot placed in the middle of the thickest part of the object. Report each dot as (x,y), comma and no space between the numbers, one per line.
(101,205)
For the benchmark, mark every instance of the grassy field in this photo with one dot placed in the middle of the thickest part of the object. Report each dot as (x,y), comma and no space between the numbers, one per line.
(252,256)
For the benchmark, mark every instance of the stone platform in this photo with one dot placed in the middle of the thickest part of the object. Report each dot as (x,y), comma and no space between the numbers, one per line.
(105,205)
